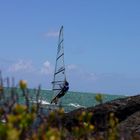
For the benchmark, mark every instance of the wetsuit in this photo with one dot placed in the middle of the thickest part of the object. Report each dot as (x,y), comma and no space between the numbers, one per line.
(64,89)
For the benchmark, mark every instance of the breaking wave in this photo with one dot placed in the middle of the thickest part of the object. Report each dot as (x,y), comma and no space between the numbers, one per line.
(76,105)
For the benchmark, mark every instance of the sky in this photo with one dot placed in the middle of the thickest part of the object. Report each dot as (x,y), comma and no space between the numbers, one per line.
(101,43)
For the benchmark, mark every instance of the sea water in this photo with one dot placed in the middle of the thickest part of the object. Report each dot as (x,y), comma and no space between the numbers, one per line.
(71,100)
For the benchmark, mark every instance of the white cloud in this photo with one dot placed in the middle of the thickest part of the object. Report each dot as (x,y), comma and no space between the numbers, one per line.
(93,76)
(21,65)
(51,34)
(71,67)
(46,68)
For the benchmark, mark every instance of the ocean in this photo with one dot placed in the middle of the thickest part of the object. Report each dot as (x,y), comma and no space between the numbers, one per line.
(71,100)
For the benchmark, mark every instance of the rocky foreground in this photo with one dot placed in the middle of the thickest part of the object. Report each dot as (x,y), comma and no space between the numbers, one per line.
(126,110)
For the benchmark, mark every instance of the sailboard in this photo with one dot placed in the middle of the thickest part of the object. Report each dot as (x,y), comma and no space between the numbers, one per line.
(59,73)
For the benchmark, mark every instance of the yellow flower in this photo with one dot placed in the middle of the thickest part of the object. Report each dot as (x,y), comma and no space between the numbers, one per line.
(13,134)
(23,84)
(111,114)
(91,127)
(1,88)
(99,97)
(83,113)
(61,111)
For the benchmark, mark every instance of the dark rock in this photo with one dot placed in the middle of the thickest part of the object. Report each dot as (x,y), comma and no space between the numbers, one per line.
(122,108)
(131,125)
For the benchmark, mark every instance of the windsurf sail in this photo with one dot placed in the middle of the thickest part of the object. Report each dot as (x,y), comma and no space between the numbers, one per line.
(59,73)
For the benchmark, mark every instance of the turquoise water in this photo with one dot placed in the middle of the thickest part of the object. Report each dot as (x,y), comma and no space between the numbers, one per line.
(71,101)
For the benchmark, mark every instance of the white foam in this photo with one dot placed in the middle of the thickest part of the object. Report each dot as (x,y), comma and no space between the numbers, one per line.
(76,105)
(43,102)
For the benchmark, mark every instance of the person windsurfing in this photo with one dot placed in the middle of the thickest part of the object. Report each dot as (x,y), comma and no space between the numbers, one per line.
(62,92)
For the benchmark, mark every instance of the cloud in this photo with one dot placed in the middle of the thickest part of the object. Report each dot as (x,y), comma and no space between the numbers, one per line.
(46,68)
(51,34)
(81,73)
(27,66)
(92,76)
(21,65)
(72,67)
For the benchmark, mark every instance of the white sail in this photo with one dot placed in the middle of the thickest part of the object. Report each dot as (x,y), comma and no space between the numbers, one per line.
(59,73)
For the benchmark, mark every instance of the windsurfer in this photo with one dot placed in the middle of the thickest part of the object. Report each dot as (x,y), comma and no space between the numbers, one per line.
(62,92)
